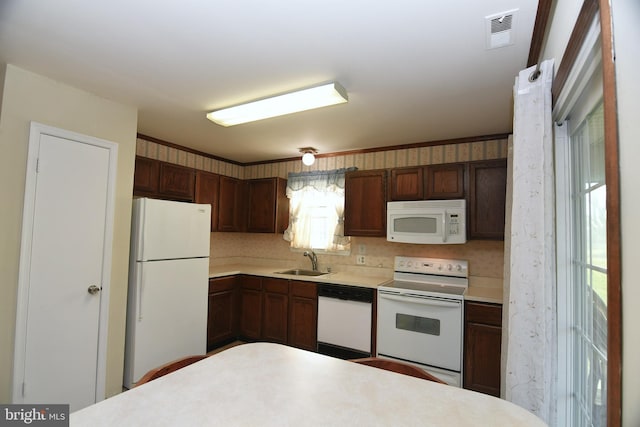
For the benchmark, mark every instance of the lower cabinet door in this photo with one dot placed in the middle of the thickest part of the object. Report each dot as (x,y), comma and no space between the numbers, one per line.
(482,345)
(251,317)
(221,322)
(303,323)
(274,325)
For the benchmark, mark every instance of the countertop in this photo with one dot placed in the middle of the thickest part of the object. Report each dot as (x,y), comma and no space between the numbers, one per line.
(484,289)
(265,384)
(339,278)
(481,289)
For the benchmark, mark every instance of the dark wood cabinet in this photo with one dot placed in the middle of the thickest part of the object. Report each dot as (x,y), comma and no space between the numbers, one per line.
(231,198)
(257,206)
(275,310)
(146,177)
(407,184)
(444,181)
(268,209)
(222,321)
(365,203)
(250,307)
(483,184)
(254,308)
(482,344)
(176,182)
(303,315)
(487,196)
(162,180)
(207,184)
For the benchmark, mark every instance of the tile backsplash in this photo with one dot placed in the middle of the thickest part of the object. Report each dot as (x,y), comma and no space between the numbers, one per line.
(485,257)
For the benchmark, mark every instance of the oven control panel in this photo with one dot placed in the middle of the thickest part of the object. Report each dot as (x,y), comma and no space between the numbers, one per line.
(438,266)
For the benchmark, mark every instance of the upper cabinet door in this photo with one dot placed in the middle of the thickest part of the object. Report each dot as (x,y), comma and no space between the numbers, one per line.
(444,181)
(146,177)
(268,205)
(231,200)
(406,183)
(365,203)
(487,197)
(176,182)
(207,184)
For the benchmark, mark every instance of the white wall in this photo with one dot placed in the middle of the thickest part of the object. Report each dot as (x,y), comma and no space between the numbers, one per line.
(626,16)
(29,97)
(563,16)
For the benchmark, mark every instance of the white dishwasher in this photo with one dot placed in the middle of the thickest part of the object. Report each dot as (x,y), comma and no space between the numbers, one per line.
(344,320)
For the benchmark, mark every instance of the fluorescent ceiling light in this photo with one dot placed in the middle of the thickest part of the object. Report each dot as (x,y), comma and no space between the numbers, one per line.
(293,102)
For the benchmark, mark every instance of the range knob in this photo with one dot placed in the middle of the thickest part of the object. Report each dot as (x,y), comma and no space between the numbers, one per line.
(410,264)
(459,267)
(449,267)
(439,266)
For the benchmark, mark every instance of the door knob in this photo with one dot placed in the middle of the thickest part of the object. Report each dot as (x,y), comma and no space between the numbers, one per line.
(93,289)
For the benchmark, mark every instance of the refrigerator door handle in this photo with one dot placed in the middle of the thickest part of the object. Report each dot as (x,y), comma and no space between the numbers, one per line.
(140,285)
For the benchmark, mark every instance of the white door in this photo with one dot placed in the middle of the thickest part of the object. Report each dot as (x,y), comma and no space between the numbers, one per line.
(65,267)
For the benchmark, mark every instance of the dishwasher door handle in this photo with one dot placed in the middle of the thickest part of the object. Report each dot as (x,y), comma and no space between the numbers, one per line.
(419,300)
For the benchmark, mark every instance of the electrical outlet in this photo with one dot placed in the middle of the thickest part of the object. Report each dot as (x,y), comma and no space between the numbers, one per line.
(360,260)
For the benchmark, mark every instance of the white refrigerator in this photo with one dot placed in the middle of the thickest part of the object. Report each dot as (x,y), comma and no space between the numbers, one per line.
(168,284)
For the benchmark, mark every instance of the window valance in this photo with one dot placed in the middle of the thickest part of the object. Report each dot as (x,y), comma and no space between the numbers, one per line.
(319,180)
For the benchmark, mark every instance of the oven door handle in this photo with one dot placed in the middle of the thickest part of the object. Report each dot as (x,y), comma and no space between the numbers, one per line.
(419,300)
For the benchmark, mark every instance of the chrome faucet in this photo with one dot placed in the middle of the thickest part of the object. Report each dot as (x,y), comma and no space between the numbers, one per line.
(314,259)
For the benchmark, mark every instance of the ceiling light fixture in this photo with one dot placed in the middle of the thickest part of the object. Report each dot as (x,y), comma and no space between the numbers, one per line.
(308,156)
(293,102)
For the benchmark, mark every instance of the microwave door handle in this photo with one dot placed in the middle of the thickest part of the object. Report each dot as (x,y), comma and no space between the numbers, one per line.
(444,227)
(418,300)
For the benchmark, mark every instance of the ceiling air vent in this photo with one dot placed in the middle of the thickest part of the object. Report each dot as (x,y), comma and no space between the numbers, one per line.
(499,29)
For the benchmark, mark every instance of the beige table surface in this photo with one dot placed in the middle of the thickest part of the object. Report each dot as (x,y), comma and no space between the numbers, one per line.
(263,384)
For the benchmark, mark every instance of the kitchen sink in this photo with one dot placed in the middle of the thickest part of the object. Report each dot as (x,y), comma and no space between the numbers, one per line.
(301,272)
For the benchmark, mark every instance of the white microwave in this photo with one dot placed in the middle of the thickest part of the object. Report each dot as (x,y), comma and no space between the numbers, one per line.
(427,222)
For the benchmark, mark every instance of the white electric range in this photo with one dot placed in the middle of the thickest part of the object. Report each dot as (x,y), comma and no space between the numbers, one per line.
(420,315)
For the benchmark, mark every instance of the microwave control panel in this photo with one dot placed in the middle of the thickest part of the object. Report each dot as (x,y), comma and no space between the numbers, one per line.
(454,222)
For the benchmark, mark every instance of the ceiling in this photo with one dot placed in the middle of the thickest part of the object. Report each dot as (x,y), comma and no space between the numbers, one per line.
(415,71)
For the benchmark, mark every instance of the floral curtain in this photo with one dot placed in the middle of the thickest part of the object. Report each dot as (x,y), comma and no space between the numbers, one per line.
(316,201)
(529,354)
